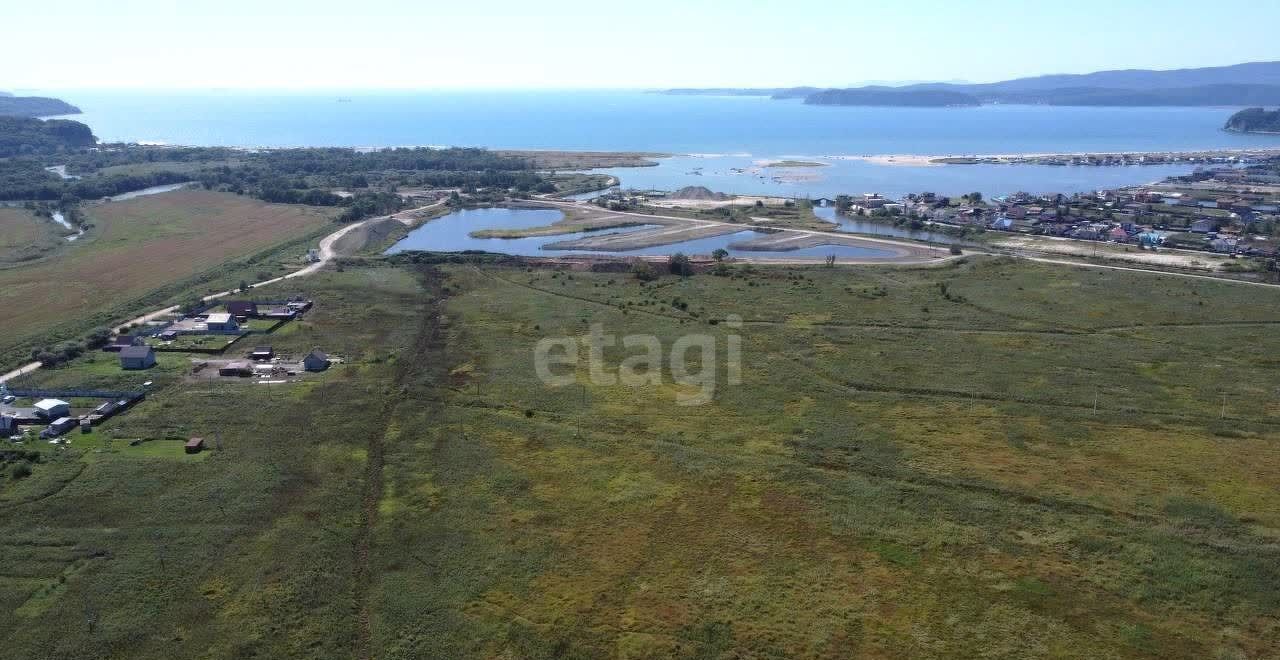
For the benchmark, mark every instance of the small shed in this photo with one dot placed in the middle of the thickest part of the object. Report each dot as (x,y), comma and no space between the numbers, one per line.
(316,360)
(238,368)
(52,408)
(193,446)
(9,426)
(262,353)
(137,357)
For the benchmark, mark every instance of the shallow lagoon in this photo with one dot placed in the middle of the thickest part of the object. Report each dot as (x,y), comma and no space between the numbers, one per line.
(451,233)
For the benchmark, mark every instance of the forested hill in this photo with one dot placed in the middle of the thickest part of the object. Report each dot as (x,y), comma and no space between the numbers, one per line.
(35,106)
(1253,83)
(1254,120)
(21,136)
(891,97)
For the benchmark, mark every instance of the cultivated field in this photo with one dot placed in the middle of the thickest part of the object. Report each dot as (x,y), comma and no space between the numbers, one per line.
(151,247)
(985,458)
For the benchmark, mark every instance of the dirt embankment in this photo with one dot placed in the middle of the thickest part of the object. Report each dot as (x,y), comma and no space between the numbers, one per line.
(368,235)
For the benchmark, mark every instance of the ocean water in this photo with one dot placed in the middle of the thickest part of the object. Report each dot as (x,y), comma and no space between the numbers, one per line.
(634,120)
(726,130)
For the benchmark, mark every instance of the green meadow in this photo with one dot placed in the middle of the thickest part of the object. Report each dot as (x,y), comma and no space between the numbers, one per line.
(990,458)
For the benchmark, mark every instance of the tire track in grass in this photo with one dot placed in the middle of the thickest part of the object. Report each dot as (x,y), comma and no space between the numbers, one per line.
(425,341)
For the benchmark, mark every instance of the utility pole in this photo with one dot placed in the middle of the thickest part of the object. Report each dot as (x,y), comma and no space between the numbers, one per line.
(1095,399)
(160,549)
(1223,415)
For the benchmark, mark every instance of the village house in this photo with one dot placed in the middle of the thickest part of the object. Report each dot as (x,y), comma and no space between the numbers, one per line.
(262,353)
(316,360)
(1203,226)
(222,324)
(242,309)
(1223,245)
(122,341)
(58,427)
(137,357)
(237,368)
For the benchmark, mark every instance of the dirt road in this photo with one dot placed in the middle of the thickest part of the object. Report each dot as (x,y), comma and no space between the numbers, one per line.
(326,255)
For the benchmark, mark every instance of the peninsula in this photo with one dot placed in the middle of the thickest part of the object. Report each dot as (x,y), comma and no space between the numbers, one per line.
(35,106)
(1254,120)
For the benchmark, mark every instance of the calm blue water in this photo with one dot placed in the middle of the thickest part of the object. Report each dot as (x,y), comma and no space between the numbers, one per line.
(742,128)
(631,120)
(451,233)
(888,230)
(742,175)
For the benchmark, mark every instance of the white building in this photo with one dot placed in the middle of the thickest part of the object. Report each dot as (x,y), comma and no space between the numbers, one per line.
(52,408)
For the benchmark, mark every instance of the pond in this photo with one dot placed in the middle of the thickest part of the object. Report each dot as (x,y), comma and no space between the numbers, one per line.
(875,228)
(451,233)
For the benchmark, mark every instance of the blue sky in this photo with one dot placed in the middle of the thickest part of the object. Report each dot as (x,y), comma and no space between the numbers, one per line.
(620,44)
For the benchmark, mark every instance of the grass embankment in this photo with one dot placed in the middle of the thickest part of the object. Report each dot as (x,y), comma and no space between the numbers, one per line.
(574,220)
(25,237)
(145,252)
(912,467)
(795,216)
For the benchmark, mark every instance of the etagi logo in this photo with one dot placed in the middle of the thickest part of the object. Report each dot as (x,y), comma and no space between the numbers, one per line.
(556,361)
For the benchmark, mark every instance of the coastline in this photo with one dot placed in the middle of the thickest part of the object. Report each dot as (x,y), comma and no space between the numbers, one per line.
(1158,157)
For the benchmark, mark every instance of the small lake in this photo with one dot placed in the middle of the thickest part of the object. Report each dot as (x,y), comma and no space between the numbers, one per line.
(874,228)
(451,233)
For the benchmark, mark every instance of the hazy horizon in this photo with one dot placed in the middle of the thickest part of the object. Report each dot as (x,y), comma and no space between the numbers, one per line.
(394,45)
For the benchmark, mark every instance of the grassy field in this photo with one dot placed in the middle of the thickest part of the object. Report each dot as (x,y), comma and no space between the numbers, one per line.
(145,251)
(992,458)
(26,237)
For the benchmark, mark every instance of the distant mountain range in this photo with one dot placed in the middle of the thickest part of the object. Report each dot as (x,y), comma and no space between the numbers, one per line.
(34,106)
(1253,83)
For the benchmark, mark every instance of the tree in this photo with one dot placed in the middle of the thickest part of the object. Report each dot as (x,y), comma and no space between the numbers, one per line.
(643,271)
(679,264)
(719,254)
